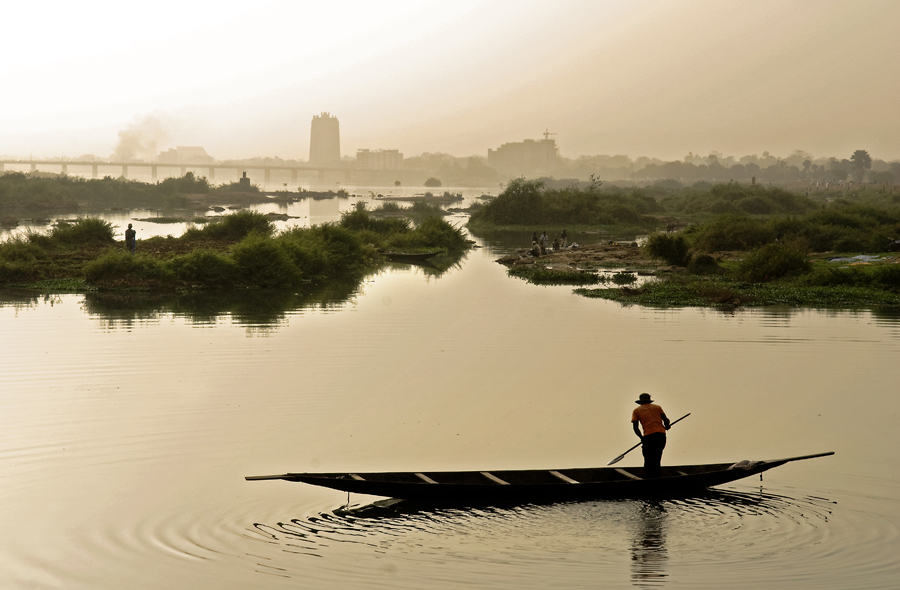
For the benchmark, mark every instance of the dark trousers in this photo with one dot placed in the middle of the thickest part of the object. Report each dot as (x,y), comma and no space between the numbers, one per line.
(653,449)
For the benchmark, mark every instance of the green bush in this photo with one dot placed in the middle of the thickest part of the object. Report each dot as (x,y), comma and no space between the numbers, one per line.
(309,255)
(879,277)
(263,262)
(538,275)
(21,271)
(233,227)
(361,220)
(624,278)
(86,230)
(116,265)
(729,232)
(421,209)
(186,184)
(773,261)
(21,249)
(529,202)
(704,264)
(386,207)
(887,277)
(520,203)
(673,248)
(205,267)
(432,232)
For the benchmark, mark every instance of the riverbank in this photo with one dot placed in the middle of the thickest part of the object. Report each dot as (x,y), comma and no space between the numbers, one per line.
(238,251)
(832,281)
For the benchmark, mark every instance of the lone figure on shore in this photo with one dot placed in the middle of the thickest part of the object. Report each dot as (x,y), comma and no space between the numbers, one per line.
(654,423)
(130,239)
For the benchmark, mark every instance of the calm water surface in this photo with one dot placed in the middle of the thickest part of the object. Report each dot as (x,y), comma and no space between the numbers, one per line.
(125,438)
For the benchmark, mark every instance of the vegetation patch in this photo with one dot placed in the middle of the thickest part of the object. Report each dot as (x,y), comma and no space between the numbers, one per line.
(531,203)
(673,248)
(773,261)
(237,251)
(539,275)
(41,192)
(731,294)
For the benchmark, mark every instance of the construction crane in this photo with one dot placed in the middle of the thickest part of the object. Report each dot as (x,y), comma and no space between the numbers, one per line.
(547,134)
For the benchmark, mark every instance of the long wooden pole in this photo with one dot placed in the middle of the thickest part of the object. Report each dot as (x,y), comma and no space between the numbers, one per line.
(622,456)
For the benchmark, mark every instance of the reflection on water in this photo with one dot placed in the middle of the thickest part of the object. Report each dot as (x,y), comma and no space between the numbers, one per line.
(250,307)
(648,548)
(125,436)
(717,523)
(246,307)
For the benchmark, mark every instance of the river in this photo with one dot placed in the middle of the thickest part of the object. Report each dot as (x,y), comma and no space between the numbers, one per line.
(127,428)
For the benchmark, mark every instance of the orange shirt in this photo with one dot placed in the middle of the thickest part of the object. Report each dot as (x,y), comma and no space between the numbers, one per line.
(650,417)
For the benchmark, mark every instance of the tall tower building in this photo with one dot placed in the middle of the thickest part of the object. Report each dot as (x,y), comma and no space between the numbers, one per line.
(325,141)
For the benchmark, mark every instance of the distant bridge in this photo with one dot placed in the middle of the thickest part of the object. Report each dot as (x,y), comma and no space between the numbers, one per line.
(211,167)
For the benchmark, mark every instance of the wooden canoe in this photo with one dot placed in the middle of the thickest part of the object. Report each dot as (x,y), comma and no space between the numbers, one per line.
(520,486)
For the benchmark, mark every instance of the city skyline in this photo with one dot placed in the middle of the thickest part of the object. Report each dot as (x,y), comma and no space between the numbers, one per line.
(643,78)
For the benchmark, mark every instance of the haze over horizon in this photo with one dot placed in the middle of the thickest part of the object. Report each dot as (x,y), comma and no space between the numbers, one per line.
(636,77)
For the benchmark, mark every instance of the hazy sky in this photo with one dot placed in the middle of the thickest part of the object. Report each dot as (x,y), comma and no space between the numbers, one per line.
(635,77)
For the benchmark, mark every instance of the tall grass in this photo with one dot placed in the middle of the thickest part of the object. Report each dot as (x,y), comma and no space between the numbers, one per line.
(773,261)
(87,230)
(21,261)
(233,227)
(207,268)
(840,228)
(529,202)
(431,232)
(60,192)
(741,199)
(263,262)
(673,248)
(117,266)
(729,232)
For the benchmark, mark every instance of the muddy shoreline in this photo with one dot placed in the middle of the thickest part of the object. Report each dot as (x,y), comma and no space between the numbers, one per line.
(587,257)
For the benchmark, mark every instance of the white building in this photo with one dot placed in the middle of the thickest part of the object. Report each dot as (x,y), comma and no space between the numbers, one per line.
(185,154)
(528,156)
(379,159)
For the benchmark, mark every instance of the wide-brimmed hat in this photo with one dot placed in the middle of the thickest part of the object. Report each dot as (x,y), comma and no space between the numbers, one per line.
(644,398)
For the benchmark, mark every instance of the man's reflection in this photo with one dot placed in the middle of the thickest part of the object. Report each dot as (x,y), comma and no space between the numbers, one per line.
(648,549)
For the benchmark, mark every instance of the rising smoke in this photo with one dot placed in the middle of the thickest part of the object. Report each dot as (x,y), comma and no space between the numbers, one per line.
(141,139)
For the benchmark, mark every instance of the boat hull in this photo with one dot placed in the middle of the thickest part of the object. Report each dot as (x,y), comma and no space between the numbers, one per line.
(535,486)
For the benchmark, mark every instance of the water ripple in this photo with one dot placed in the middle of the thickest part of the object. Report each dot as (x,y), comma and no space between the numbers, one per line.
(773,539)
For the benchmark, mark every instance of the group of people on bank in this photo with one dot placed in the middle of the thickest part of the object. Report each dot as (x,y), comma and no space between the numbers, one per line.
(541,245)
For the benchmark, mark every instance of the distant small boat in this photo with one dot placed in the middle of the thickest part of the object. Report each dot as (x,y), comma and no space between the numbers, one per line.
(539,485)
(410,256)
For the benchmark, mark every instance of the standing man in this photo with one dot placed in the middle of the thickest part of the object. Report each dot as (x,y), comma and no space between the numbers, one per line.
(654,423)
(130,239)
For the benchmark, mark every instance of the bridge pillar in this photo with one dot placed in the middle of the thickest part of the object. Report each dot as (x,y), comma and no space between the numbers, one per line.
(2,167)
(65,169)
(33,167)
(124,171)
(212,173)
(268,174)
(321,175)
(183,170)
(153,173)
(93,171)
